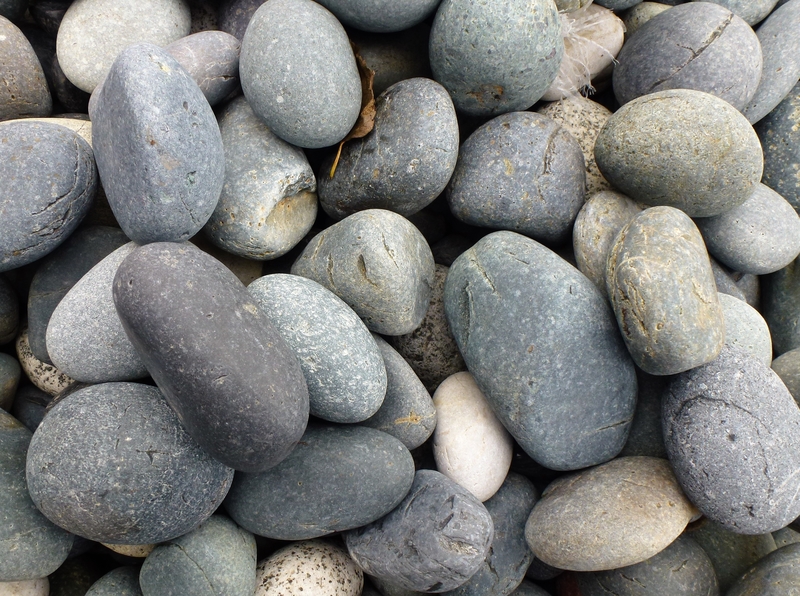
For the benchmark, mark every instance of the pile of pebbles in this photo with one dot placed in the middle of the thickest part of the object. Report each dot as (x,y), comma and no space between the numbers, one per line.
(374,297)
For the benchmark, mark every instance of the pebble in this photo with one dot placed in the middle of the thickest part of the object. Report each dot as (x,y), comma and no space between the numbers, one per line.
(381,16)
(646,437)
(638,15)
(44,376)
(776,574)
(33,587)
(10,373)
(746,328)
(779,132)
(527,588)
(752,11)
(137,551)
(233,16)
(787,367)
(212,59)
(9,311)
(29,406)
(25,92)
(781,308)
(620,4)
(785,536)
(122,581)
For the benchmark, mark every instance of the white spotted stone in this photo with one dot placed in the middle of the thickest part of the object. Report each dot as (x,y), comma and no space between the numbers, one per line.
(44,376)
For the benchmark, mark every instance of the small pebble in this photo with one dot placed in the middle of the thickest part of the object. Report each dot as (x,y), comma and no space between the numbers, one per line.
(45,376)
(212,59)
(122,581)
(746,328)
(777,574)
(25,91)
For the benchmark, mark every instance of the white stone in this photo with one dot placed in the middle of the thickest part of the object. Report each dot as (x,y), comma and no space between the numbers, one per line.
(470,445)
(746,328)
(33,587)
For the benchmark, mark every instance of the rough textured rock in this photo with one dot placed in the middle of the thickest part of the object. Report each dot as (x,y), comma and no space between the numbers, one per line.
(381,16)
(777,574)
(212,59)
(24,92)
(44,376)
(122,581)
(779,132)
(746,328)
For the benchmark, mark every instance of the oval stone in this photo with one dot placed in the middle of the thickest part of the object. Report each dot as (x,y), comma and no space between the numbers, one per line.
(746,328)
(212,59)
(781,306)
(122,581)
(779,132)
(380,16)
(25,92)
(777,574)
(752,11)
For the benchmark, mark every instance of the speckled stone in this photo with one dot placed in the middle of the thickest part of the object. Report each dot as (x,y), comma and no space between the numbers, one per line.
(308,94)
(9,311)
(122,581)
(521,172)
(24,92)
(93,33)
(381,16)
(684,123)
(217,558)
(646,437)
(777,574)
(787,367)
(746,328)
(752,11)
(495,58)
(378,263)
(731,432)
(91,445)
(235,384)
(150,116)
(638,15)
(779,132)
(212,59)
(233,16)
(33,546)
(530,357)
(450,529)
(29,406)
(47,180)
(10,373)
(44,376)
(663,293)
(268,201)
(785,536)
(33,587)
(781,306)
(614,515)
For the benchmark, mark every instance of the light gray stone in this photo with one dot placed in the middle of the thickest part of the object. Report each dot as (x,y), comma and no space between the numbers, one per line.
(24,92)
(381,16)
(746,328)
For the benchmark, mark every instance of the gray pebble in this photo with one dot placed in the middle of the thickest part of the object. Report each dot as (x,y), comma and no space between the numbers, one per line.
(618,4)
(781,307)
(527,588)
(24,92)
(9,311)
(779,132)
(746,328)
(777,574)
(29,406)
(787,367)
(646,437)
(752,11)
(724,281)
(10,373)
(638,15)
(122,581)
(785,536)
(212,59)
(381,16)
(233,16)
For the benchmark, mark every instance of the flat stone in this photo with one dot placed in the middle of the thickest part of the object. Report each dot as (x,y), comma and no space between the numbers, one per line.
(9,311)
(781,307)
(122,581)
(774,575)
(44,376)
(746,328)
(787,367)
(381,16)
(779,132)
(212,59)
(25,92)
(10,373)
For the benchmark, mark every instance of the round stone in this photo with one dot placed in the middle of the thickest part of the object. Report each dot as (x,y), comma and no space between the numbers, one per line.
(752,11)
(25,92)
(381,16)
(779,132)
(774,575)
(212,59)
(746,328)
(122,581)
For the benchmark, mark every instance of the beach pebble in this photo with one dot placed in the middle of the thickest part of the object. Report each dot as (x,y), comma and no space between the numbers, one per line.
(44,376)
(212,59)
(122,581)
(32,587)
(646,437)
(10,373)
(233,16)
(787,367)
(137,551)
(25,92)
(638,15)
(9,311)
(781,307)
(380,16)
(779,132)
(752,11)
(777,574)
(29,406)
(746,328)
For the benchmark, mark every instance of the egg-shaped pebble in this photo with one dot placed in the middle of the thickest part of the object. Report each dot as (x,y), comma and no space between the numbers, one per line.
(752,11)
(641,13)
(122,581)
(380,16)
(9,311)
(776,574)
(10,373)
(746,328)
(779,132)
(212,59)
(787,367)
(25,92)
(31,587)
(44,376)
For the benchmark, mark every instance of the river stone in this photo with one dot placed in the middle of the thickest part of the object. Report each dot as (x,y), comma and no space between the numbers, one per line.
(378,263)
(217,558)
(553,366)
(730,428)
(777,574)
(246,270)
(33,546)
(521,172)
(212,59)
(746,328)
(684,123)
(781,307)
(9,311)
(233,16)
(785,536)
(787,367)
(617,514)
(779,132)
(268,201)
(136,551)
(150,116)
(618,4)
(234,383)
(403,163)
(308,94)
(646,437)
(380,16)
(450,530)
(112,463)
(10,373)
(752,11)
(25,92)
(47,180)
(495,58)
(44,376)
(85,337)
(93,33)
(640,14)
(122,581)
(724,281)
(33,587)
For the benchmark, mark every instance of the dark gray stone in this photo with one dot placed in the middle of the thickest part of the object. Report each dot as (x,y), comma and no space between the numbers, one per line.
(150,116)
(490,66)
(646,437)
(29,406)
(342,365)
(48,14)
(685,124)
(68,95)
(521,172)
(404,163)
(47,180)
(76,575)
(532,357)
(212,59)
(731,433)
(787,367)
(663,293)
(381,16)
(112,463)
(308,94)
(752,11)
(24,92)
(33,546)
(9,311)
(217,558)
(122,581)
(777,574)
(785,536)
(433,541)
(779,132)
(223,367)
(618,4)
(527,588)
(746,328)
(781,307)
(541,571)
(233,16)
(10,373)
(724,282)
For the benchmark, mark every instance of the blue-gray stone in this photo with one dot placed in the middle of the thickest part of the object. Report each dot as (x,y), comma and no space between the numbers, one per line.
(779,132)
(112,463)
(618,4)
(646,437)
(495,58)
(212,59)
(47,181)
(787,367)
(746,328)
(731,433)
(337,478)
(159,151)
(308,94)
(781,307)
(9,311)
(122,581)
(342,366)
(381,16)
(521,172)
(552,366)
(777,574)
(217,558)
(10,373)
(403,163)
(752,11)
(29,406)
(25,93)
(233,16)
(223,367)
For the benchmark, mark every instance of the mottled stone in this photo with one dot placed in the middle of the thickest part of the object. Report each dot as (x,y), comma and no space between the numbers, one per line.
(9,311)
(29,406)
(646,437)
(10,373)
(683,123)
(24,92)
(640,14)
(777,574)
(781,307)
(44,376)
(787,367)
(122,581)
(779,132)
(746,328)
(614,515)
(212,59)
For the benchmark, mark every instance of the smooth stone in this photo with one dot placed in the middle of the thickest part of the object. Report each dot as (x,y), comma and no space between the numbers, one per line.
(212,59)
(470,445)
(147,96)
(33,546)
(532,357)
(779,132)
(381,16)
(731,428)
(10,373)
(223,367)
(404,162)
(787,367)
(59,272)
(752,11)
(777,574)
(490,66)
(136,551)
(233,16)
(25,92)
(246,270)
(44,376)
(308,94)
(646,437)
(527,588)
(724,281)
(407,412)
(268,201)
(780,306)
(90,446)
(746,328)
(684,123)
(217,558)
(122,581)
(33,587)
(663,293)
(762,235)
(337,478)
(85,337)
(313,566)
(618,4)
(29,406)
(48,179)
(9,311)
(614,515)
(638,15)
(451,532)
(521,172)
(76,575)
(93,33)
(785,536)
(378,263)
